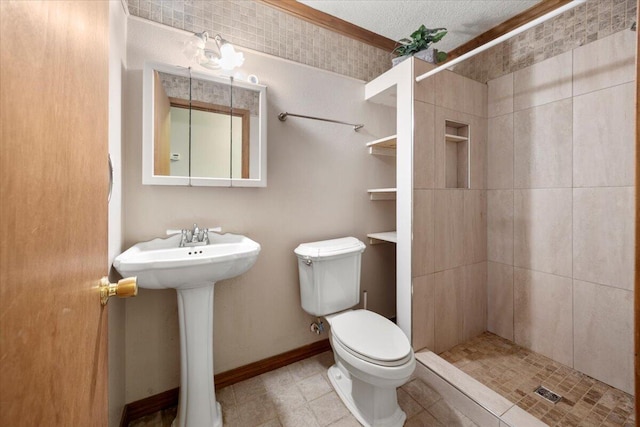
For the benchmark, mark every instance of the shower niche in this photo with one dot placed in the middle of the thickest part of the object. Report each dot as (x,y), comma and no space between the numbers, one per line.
(457,155)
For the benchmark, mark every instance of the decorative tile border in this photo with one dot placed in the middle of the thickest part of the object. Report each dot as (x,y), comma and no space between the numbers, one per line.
(262,28)
(259,27)
(586,23)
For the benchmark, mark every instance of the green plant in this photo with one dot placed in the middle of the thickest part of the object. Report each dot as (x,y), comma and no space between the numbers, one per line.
(421,39)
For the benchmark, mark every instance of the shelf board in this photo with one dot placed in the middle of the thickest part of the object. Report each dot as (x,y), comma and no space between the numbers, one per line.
(455,138)
(383,237)
(383,146)
(386,142)
(382,193)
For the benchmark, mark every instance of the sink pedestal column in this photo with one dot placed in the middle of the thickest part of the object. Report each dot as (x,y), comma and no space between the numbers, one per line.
(197,406)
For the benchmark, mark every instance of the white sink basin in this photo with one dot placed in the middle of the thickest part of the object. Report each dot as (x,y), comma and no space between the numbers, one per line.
(192,271)
(161,264)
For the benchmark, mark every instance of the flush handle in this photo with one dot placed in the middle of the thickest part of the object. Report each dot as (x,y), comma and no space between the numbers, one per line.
(125,288)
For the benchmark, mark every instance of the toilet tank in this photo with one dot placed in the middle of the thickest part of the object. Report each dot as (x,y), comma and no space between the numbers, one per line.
(329,273)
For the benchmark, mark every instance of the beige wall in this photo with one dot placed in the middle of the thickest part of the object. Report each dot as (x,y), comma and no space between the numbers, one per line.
(318,174)
(449,225)
(560,208)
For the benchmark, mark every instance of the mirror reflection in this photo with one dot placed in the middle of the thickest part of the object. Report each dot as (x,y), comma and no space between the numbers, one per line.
(206,129)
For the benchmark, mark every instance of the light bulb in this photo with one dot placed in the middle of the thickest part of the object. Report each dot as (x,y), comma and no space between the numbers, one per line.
(229,58)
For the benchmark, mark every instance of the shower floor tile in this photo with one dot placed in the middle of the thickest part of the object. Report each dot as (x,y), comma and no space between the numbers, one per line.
(300,395)
(515,372)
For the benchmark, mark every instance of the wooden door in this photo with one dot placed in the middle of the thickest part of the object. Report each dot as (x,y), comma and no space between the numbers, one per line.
(53,212)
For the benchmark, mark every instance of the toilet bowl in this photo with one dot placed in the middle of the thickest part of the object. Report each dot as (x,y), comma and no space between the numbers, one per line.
(373,357)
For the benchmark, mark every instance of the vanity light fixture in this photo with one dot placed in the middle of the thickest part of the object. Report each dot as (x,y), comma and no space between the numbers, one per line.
(226,58)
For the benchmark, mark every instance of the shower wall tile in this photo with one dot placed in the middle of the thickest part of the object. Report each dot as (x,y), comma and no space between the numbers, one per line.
(449,309)
(542,230)
(603,236)
(476,98)
(450,91)
(475,226)
(500,299)
(478,143)
(542,146)
(449,229)
(452,240)
(500,226)
(500,96)
(603,140)
(459,93)
(423,312)
(543,313)
(542,83)
(474,300)
(425,90)
(423,249)
(424,145)
(604,63)
(500,152)
(603,335)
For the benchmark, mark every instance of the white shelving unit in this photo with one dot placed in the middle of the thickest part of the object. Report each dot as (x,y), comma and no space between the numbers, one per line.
(383,147)
(395,88)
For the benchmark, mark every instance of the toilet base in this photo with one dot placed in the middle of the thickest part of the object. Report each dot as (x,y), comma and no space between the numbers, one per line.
(371,406)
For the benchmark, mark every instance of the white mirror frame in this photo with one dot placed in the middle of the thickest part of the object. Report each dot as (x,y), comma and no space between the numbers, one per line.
(148,177)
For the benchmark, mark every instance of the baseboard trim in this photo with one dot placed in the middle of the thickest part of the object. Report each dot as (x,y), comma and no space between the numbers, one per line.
(254,369)
(143,407)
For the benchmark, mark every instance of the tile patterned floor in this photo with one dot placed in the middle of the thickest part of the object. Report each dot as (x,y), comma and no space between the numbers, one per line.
(300,395)
(514,372)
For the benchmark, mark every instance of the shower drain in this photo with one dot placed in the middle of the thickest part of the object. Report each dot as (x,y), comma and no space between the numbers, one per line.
(547,394)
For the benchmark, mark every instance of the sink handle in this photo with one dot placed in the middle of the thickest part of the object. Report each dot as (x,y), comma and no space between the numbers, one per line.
(171,232)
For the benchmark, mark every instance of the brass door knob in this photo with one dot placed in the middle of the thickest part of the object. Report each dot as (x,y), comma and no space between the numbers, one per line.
(125,288)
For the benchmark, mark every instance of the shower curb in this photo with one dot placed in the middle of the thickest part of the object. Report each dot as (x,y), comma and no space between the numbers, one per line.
(478,402)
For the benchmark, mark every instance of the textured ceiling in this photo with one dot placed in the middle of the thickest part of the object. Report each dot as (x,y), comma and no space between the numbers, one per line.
(395,19)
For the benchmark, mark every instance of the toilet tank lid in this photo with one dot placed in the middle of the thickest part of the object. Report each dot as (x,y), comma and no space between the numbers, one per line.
(329,248)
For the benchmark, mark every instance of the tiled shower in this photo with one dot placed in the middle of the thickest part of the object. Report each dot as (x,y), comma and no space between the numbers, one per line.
(560,208)
(555,215)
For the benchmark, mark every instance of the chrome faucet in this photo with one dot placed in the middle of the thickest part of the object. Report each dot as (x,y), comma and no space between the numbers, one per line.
(194,237)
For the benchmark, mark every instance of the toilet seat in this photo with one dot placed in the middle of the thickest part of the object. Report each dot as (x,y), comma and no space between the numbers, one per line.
(371,337)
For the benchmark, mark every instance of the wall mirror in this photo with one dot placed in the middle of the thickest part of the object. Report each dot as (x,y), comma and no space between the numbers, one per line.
(202,130)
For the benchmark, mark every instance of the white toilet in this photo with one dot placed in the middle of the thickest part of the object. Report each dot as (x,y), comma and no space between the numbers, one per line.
(373,356)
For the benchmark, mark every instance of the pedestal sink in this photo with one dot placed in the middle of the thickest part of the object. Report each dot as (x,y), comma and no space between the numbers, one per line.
(192,271)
